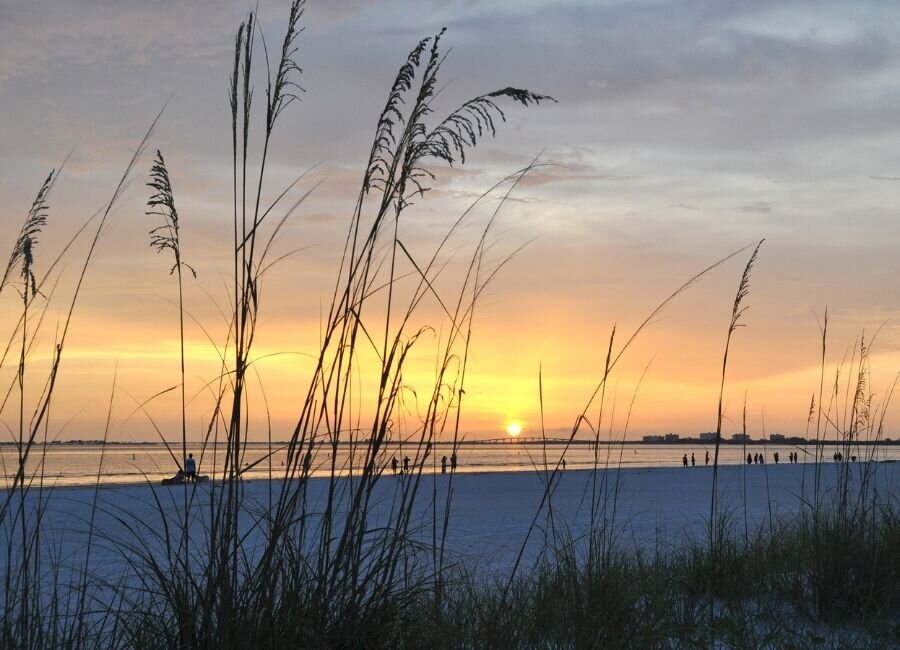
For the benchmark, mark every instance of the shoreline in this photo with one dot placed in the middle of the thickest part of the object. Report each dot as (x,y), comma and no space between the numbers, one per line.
(429,472)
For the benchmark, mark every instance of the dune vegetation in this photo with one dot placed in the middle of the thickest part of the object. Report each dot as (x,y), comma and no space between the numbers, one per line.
(224,574)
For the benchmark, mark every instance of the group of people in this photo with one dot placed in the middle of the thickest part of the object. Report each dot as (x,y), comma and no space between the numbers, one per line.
(186,475)
(452,459)
(684,460)
(757,458)
(760,459)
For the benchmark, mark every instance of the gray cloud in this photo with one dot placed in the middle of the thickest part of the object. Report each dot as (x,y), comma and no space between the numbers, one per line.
(760,207)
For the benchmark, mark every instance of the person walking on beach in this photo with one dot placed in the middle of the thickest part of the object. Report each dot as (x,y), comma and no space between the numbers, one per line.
(684,460)
(394,464)
(775,456)
(749,458)
(707,457)
(307,461)
(406,464)
(190,468)
(693,460)
(453,461)
(444,465)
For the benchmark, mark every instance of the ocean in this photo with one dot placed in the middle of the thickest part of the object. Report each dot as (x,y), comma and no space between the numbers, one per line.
(89,464)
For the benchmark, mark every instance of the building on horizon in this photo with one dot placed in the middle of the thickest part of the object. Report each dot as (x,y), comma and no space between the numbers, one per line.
(672,437)
(708,436)
(776,437)
(741,437)
(654,438)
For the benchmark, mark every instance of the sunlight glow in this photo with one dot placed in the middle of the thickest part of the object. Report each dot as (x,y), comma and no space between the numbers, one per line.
(514,429)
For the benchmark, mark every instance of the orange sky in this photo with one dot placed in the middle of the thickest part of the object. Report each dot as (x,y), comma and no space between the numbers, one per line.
(698,139)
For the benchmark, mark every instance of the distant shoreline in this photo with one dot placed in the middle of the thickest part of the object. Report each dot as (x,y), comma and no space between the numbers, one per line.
(528,442)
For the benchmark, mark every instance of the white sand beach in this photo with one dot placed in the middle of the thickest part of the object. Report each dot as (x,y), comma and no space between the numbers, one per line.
(490,513)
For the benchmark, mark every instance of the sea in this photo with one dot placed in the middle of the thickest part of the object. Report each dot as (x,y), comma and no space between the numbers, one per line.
(136,463)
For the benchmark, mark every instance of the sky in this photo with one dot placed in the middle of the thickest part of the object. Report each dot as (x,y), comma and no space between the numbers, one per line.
(683,131)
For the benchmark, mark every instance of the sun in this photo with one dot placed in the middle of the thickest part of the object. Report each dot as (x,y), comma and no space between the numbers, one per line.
(514,429)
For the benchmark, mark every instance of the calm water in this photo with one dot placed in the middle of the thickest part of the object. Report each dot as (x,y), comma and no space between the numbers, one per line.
(83,464)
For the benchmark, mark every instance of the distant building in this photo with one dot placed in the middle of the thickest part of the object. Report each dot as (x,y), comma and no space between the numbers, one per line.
(741,437)
(654,439)
(776,437)
(672,437)
(708,436)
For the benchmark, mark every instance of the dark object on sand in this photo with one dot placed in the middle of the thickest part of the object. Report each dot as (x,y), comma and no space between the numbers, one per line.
(179,479)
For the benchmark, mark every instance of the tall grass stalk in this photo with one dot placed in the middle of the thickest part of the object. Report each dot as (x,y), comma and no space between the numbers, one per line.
(737,310)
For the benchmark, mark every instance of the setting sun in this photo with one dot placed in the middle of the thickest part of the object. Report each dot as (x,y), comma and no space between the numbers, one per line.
(514,429)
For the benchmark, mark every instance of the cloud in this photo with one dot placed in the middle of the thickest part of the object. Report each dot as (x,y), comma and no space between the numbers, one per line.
(760,207)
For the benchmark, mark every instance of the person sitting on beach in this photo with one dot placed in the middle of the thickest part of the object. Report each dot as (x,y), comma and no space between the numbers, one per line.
(178,479)
(190,468)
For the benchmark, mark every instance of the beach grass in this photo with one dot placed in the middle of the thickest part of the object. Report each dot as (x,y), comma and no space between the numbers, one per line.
(226,572)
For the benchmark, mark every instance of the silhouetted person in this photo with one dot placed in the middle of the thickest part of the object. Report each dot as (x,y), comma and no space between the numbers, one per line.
(444,465)
(693,460)
(394,464)
(775,456)
(453,461)
(684,460)
(190,468)
(564,463)
(762,459)
(756,458)
(707,458)
(307,461)
(178,479)
(406,463)
(749,458)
